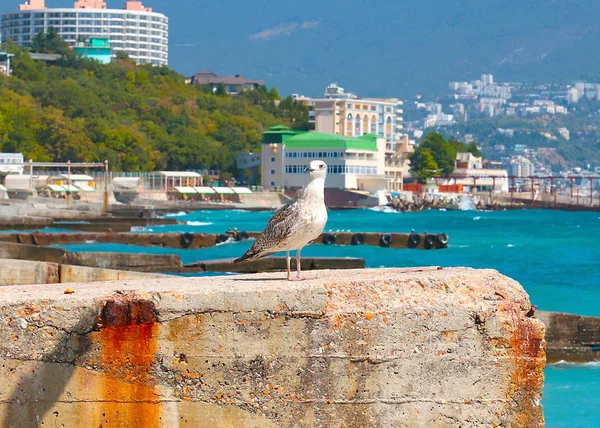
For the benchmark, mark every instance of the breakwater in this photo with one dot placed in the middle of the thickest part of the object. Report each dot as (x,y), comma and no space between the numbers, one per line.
(428,241)
(389,347)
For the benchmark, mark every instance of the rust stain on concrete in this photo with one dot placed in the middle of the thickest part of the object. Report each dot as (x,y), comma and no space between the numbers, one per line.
(128,341)
(529,358)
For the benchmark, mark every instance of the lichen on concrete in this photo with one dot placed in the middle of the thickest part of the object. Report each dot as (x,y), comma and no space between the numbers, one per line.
(384,347)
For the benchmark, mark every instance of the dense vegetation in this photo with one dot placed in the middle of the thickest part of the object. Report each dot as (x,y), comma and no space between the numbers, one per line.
(436,156)
(139,117)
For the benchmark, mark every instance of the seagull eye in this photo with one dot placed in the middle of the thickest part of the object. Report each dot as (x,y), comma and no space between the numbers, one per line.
(322,166)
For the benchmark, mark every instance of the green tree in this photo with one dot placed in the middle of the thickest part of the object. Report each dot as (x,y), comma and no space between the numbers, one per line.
(442,151)
(423,165)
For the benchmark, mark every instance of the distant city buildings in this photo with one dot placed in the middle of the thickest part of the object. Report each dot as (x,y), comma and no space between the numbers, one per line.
(136,29)
(233,84)
(484,87)
(521,167)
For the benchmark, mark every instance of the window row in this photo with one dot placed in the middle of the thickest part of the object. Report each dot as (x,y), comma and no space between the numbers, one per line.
(314,155)
(335,169)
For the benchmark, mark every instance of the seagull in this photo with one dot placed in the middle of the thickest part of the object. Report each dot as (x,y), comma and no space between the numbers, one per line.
(294,225)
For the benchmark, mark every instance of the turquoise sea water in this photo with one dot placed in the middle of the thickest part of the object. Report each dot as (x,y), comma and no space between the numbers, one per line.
(553,254)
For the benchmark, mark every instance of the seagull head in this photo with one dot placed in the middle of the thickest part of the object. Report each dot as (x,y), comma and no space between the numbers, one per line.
(317,168)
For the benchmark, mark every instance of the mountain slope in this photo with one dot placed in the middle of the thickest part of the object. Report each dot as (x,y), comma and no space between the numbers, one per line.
(384,48)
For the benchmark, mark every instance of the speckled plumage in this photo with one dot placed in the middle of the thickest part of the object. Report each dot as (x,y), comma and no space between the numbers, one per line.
(294,225)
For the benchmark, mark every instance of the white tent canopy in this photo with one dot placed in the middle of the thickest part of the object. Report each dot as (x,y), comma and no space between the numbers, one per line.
(241,190)
(223,190)
(75,177)
(204,190)
(179,174)
(186,190)
(56,188)
(85,187)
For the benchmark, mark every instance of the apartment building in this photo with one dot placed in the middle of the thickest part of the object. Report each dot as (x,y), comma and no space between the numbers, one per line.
(136,29)
(343,113)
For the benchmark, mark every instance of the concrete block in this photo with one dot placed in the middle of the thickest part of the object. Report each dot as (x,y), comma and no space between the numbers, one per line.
(385,347)
(126,261)
(19,272)
(23,272)
(571,337)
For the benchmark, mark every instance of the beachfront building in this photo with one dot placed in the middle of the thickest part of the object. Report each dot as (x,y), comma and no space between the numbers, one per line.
(397,164)
(233,84)
(472,173)
(136,29)
(11,163)
(343,113)
(355,163)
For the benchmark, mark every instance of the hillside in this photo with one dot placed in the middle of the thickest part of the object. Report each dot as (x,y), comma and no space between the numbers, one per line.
(140,118)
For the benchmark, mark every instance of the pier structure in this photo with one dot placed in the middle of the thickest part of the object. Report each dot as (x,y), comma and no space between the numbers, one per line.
(555,191)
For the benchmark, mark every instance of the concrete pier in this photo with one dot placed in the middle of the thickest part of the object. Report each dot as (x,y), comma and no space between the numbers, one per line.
(372,348)
(571,337)
(106,260)
(23,272)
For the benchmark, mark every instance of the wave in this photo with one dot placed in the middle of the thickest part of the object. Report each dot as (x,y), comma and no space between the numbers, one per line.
(510,245)
(229,241)
(477,218)
(199,223)
(179,214)
(385,209)
(91,241)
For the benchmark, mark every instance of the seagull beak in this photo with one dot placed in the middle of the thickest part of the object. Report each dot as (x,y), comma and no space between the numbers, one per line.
(307,169)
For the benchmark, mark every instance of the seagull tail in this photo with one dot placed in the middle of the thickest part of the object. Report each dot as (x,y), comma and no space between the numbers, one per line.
(243,258)
(249,256)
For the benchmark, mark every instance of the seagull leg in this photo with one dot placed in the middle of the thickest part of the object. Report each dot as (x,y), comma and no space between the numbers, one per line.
(298,278)
(288,260)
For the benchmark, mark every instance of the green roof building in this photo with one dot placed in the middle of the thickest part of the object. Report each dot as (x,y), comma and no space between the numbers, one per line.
(97,48)
(353,163)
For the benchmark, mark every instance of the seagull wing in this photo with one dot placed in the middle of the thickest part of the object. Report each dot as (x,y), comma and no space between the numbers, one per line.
(278,228)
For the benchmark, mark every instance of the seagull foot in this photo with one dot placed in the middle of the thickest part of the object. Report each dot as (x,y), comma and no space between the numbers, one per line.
(296,278)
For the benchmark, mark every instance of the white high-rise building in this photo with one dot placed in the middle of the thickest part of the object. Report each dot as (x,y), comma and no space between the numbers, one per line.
(143,34)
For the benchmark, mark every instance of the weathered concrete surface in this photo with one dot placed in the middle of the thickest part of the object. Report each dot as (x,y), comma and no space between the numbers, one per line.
(371,348)
(22,272)
(571,337)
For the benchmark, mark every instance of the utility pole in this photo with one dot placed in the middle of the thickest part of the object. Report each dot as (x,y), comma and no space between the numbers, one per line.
(106,185)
